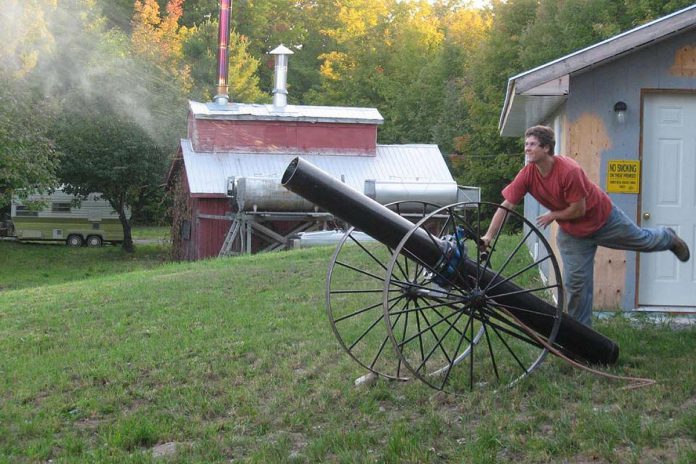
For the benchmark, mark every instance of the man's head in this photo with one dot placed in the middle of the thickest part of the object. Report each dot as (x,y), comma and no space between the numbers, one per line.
(544,135)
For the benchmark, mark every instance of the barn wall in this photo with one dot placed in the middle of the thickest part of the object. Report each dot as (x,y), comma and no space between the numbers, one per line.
(594,137)
(210,232)
(282,136)
(182,224)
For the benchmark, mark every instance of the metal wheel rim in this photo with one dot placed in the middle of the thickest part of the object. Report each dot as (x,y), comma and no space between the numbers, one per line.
(373,351)
(493,319)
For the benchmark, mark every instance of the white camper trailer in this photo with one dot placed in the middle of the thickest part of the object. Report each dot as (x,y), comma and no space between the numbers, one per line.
(60,216)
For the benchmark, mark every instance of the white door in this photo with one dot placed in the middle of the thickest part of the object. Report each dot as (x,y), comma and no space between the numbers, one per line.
(669,197)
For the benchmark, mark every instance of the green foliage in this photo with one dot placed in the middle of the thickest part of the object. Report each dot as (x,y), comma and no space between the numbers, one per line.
(437,71)
(132,432)
(296,24)
(28,160)
(201,53)
(124,163)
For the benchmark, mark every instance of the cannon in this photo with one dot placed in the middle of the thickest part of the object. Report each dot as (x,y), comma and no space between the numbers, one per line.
(425,297)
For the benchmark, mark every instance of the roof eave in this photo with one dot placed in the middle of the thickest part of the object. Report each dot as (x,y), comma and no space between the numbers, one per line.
(524,109)
(529,93)
(609,49)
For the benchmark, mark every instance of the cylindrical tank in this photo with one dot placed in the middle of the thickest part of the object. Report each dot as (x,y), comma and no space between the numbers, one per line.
(266,194)
(388,191)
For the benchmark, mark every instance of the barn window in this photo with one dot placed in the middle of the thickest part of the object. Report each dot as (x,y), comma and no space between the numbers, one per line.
(185,229)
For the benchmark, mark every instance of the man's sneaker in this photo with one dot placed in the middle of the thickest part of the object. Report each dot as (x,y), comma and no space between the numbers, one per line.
(679,246)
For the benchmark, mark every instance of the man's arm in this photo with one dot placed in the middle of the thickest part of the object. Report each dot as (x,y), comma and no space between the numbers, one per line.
(573,211)
(496,223)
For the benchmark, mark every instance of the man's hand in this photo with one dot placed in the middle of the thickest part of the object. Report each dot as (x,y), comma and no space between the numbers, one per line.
(544,220)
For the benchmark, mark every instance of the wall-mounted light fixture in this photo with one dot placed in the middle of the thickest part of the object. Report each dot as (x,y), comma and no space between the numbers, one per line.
(620,111)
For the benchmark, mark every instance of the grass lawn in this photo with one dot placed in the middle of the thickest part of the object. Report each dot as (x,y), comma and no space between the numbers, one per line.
(155,233)
(39,264)
(233,360)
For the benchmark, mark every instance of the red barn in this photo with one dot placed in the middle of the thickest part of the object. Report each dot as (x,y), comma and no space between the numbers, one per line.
(226,180)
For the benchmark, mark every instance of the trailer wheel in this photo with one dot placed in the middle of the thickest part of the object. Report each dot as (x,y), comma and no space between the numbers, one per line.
(94,241)
(74,240)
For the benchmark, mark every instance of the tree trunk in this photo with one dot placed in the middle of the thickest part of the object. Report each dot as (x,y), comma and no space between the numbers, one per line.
(127,244)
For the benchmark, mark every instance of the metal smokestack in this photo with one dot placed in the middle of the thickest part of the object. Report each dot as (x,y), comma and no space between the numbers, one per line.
(222,97)
(280,91)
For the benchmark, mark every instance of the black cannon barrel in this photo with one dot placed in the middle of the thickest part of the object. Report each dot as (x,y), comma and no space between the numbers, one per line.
(386,226)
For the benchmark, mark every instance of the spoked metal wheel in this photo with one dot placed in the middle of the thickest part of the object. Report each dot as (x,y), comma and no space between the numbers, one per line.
(483,318)
(354,288)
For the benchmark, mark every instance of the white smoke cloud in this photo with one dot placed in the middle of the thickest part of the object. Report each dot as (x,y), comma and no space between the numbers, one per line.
(63,48)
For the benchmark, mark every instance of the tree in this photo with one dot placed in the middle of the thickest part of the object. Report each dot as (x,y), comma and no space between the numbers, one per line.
(27,158)
(123,163)
(485,159)
(200,50)
(386,54)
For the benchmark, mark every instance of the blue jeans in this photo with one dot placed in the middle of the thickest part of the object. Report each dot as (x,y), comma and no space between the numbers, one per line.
(577,254)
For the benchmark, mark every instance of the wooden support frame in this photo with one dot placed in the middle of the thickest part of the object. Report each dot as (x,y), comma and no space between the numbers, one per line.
(248,225)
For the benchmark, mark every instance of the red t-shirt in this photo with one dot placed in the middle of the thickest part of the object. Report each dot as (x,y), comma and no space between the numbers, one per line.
(565,184)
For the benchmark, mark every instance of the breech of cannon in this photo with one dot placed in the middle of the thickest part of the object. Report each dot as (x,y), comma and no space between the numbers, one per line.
(386,226)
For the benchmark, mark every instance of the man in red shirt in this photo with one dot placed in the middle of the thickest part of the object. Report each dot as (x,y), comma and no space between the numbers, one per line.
(585,214)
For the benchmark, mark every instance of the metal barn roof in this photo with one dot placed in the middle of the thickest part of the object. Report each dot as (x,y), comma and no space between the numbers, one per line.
(208,172)
(534,94)
(295,113)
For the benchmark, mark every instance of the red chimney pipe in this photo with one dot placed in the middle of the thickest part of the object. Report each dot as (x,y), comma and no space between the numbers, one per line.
(222,97)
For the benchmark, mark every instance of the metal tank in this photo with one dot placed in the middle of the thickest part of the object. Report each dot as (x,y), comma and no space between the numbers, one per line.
(389,191)
(265,194)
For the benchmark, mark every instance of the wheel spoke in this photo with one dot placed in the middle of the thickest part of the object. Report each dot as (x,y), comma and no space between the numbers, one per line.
(516,274)
(429,306)
(524,291)
(360,271)
(510,329)
(514,308)
(510,350)
(430,327)
(360,311)
(490,352)
(462,337)
(368,252)
(370,327)
(509,258)
(438,344)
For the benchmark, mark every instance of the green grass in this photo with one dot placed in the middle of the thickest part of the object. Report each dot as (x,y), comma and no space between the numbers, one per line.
(47,263)
(159,233)
(234,360)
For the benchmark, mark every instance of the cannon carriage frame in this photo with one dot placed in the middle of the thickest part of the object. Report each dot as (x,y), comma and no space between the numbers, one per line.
(425,300)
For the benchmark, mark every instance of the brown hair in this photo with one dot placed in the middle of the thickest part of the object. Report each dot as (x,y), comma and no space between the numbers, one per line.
(544,135)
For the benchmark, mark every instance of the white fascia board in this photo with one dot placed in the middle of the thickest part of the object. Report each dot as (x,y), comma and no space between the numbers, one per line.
(528,110)
(525,109)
